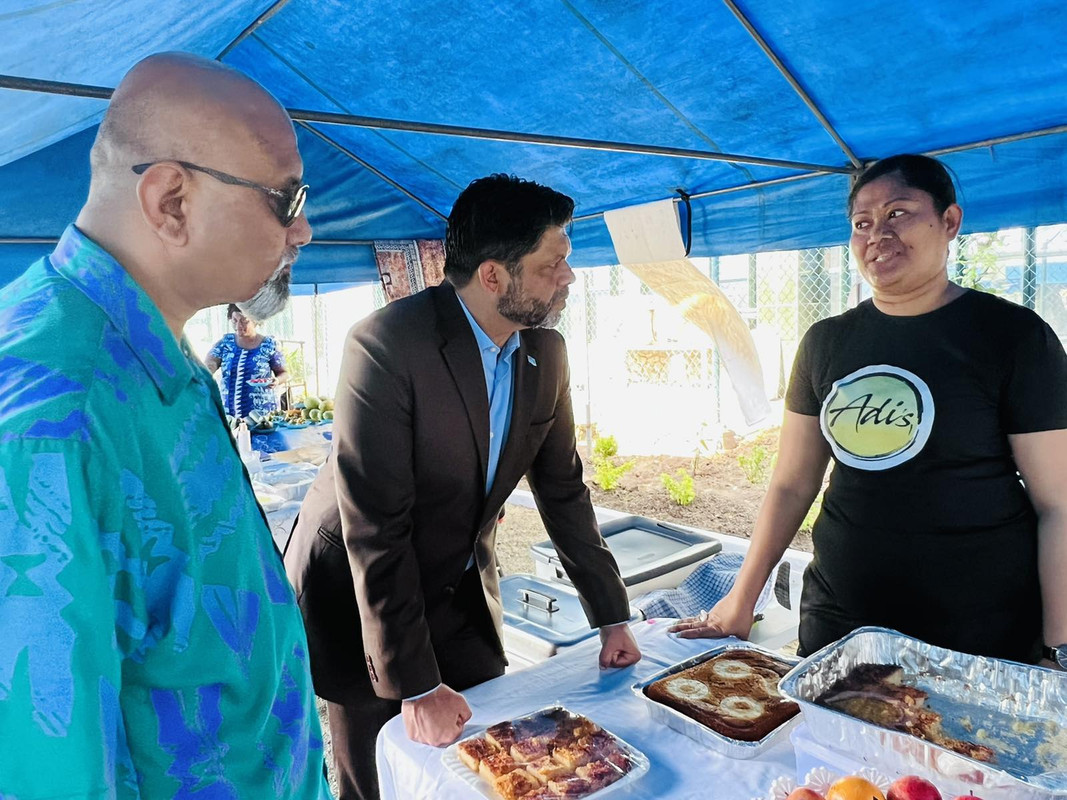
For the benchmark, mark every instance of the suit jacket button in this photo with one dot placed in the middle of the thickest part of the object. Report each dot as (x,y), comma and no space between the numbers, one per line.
(449,591)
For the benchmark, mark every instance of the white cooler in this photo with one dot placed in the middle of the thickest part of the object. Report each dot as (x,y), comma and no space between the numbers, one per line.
(540,617)
(650,554)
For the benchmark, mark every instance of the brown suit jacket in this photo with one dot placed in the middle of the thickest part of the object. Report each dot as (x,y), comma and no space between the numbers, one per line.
(388,527)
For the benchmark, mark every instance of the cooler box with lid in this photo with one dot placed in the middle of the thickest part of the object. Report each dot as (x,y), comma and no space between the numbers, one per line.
(650,554)
(540,617)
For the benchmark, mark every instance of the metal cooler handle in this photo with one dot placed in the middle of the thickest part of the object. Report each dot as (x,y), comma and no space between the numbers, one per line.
(538,600)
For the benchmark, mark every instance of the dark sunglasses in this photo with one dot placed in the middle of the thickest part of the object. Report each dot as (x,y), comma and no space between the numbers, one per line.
(286,204)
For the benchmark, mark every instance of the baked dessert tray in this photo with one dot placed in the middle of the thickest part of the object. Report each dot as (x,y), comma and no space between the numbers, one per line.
(548,754)
(739,701)
(900,703)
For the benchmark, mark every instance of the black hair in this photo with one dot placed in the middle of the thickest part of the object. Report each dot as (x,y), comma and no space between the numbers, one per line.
(232,309)
(503,218)
(917,172)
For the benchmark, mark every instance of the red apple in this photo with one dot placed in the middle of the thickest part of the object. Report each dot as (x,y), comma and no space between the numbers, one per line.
(804,793)
(912,787)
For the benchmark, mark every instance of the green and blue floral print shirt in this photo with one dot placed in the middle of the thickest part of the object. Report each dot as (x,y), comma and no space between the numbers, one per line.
(150,646)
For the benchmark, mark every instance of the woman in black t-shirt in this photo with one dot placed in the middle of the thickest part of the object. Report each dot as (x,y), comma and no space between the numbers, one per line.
(932,400)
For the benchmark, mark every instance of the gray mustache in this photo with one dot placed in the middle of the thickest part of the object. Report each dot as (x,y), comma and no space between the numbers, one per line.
(274,294)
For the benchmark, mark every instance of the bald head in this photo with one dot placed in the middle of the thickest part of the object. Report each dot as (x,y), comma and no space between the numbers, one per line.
(203,221)
(181,106)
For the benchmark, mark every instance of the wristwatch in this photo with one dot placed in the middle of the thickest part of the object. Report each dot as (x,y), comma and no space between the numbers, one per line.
(1057,653)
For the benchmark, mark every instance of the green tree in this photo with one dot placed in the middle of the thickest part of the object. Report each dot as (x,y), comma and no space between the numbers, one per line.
(976,262)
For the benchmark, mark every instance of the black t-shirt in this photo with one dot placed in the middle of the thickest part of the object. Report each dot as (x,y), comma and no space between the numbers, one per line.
(925,526)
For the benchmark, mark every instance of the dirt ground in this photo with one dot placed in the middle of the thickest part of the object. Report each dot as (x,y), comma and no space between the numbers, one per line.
(726,499)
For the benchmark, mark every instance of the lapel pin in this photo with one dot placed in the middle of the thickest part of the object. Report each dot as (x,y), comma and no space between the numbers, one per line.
(532,360)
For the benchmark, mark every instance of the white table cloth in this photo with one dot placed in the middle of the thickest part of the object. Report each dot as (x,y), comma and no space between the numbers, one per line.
(681,768)
(286,483)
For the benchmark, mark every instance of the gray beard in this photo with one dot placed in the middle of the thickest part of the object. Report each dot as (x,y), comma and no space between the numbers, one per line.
(272,295)
(529,312)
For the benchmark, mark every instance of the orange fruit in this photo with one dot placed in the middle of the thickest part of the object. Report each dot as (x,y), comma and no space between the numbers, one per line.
(853,787)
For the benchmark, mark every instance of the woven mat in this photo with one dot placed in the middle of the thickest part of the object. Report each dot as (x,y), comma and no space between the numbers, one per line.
(407,266)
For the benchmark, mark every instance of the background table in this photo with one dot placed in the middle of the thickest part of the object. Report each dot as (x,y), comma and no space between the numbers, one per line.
(286,483)
(681,769)
(281,438)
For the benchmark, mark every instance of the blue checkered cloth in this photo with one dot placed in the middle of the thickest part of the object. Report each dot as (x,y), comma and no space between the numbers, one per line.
(704,587)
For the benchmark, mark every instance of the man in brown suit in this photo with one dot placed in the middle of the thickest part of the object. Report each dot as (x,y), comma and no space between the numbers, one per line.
(446,399)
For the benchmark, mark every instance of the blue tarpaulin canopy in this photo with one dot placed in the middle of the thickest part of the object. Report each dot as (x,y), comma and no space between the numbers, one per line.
(759,109)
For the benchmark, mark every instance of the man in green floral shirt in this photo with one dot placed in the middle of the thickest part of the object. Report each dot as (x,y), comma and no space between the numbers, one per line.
(151,646)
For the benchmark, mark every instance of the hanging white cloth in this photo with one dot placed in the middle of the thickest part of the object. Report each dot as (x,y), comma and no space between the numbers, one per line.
(648,242)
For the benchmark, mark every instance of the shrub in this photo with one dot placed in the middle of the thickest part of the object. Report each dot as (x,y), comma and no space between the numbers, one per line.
(606,473)
(681,491)
(605,447)
(757,464)
(813,513)
(705,444)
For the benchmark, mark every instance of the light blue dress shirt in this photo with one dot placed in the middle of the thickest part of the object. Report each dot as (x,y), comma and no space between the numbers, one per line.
(496,363)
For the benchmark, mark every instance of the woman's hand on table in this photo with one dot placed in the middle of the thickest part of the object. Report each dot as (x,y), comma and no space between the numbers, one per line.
(437,718)
(728,617)
(618,647)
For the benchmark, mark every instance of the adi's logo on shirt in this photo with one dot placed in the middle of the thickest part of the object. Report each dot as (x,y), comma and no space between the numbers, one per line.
(877,417)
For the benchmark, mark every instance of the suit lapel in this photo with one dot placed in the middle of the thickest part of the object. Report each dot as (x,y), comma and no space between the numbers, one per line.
(526,380)
(460,352)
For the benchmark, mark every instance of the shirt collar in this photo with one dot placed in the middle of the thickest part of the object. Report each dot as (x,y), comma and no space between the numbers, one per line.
(485,344)
(129,309)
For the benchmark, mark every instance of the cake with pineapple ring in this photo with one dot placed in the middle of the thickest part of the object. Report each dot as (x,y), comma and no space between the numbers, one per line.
(734,694)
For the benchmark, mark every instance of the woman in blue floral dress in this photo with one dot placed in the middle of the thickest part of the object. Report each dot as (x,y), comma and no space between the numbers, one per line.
(252,366)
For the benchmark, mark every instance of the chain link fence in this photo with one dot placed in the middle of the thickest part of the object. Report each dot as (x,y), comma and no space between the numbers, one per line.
(656,383)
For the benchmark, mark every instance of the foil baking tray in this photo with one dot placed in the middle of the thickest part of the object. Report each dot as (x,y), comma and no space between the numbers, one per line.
(450,758)
(713,740)
(1019,710)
